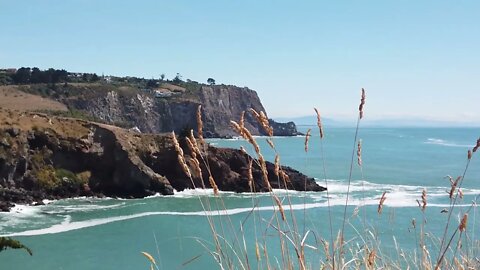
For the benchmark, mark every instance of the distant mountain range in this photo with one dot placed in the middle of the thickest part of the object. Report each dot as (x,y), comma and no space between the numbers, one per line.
(390,122)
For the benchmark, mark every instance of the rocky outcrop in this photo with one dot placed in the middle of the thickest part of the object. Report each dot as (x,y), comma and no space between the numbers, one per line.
(45,157)
(153,114)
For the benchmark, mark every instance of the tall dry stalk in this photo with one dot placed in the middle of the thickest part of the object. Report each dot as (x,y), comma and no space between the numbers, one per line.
(457,184)
(186,170)
(367,256)
(200,152)
(321,132)
(360,116)
(245,133)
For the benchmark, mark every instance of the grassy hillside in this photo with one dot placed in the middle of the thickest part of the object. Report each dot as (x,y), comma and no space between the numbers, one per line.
(11,97)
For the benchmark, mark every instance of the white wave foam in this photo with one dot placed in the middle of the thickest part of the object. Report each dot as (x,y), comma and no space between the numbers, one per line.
(363,192)
(47,201)
(187,193)
(445,143)
(23,210)
(234,138)
(336,186)
(68,225)
(339,187)
(59,209)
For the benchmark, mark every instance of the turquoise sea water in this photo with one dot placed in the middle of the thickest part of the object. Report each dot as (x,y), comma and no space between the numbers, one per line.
(90,233)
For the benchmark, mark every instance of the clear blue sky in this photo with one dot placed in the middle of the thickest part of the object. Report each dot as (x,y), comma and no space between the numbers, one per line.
(414,58)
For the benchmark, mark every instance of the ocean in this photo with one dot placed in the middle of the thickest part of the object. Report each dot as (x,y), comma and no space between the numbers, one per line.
(108,233)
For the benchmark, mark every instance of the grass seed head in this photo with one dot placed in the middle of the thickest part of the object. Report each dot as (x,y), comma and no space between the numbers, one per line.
(149,257)
(250,174)
(319,123)
(262,119)
(424,200)
(213,184)
(200,124)
(463,223)
(362,103)
(242,119)
(191,147)
(277,165)
(245,133)
(255,113)
(476,146)
(381,202)
(307,138)
(186,170)
(263,167)
(371,258)
(180,156)
(285,177)
(194,143)
(454,185)
(237,127)
(196,167)
(359,153)
(280,207)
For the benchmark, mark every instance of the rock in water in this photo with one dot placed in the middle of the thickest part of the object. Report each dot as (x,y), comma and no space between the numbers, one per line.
(49,157)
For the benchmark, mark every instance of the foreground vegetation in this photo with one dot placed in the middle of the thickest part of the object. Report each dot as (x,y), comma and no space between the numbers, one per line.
(456,248)
(7,242)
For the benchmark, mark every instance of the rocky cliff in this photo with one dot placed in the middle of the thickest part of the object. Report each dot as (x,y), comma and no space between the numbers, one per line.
(153,112)
(50,157)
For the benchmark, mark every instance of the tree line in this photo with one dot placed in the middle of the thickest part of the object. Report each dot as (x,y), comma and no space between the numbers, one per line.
(26,75)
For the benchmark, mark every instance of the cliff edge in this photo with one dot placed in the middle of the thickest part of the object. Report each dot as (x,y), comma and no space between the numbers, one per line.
(53,157)
(162,108)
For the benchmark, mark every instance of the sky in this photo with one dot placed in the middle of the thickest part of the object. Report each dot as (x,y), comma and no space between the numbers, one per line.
(415,59)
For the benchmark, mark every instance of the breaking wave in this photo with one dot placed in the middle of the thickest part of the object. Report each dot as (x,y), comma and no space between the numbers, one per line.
(445,143)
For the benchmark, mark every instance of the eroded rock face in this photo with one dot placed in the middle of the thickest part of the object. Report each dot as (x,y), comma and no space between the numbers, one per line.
(45,157)
(152,114)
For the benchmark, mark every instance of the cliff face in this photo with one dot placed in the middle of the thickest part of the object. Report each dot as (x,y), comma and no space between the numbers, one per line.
(46,157)
(154,114)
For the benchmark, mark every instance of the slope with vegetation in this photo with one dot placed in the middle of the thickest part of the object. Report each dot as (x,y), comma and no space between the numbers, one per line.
(149,105)
(42,157)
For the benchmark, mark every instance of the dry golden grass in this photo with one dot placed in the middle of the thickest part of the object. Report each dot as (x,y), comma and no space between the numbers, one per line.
(26,121)
(363,251)
(14,99)
(172,87)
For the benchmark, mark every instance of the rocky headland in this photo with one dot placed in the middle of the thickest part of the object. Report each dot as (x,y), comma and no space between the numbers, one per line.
(162,108)
(46,157)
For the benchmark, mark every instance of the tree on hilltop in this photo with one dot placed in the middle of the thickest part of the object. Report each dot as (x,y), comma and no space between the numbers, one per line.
(211,81)
(177,79)
(22,76)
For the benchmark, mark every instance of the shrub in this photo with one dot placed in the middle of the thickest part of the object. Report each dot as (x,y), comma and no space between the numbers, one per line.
(46,178)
